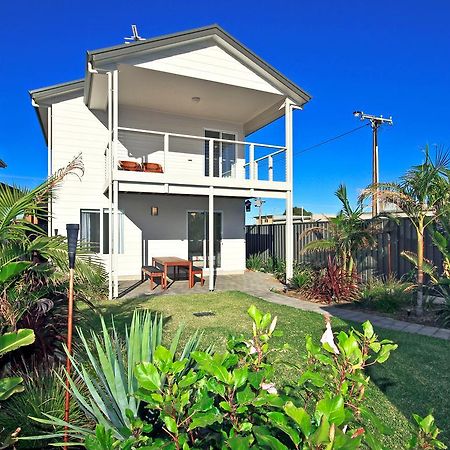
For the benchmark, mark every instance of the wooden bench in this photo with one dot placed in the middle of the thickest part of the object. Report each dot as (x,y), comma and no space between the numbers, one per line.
(197,271)
(154,272)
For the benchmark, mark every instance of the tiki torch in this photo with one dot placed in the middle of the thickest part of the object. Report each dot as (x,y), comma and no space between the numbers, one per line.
(72,238)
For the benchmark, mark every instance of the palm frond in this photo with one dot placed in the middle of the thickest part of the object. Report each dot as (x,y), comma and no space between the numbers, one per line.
(318,246)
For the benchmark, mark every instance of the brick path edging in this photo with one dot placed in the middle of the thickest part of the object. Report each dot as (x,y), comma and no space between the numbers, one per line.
(355,316)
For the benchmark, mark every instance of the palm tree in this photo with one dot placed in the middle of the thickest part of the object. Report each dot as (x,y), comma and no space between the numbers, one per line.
(22,240)
(422,193)
(348,233)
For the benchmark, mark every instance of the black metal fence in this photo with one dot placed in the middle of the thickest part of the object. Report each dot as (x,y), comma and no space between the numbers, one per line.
(384,258)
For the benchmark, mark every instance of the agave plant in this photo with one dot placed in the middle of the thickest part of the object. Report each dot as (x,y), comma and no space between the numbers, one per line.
(107,373)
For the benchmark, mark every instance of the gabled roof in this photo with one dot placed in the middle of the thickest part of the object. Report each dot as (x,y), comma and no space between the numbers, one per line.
(111,55)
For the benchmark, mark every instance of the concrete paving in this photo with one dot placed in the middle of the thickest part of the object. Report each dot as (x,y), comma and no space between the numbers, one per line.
(263,285)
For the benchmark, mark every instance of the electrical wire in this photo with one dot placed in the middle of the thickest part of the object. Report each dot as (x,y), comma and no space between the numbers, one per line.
(339,136)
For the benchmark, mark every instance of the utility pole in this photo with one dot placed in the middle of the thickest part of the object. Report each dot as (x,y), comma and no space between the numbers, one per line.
(375,123)
(259,203)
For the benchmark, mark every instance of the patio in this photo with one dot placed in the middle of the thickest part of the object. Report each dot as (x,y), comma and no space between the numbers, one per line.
(263,285)
(251,282)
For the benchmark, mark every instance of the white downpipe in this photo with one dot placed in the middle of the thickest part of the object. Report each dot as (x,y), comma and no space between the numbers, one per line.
(211,237)
(115,123)
(289,180)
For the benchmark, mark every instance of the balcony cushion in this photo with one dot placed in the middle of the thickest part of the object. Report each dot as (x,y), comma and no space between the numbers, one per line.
(152,167)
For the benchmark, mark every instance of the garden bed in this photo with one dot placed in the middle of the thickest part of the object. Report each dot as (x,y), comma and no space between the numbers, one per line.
(405,313)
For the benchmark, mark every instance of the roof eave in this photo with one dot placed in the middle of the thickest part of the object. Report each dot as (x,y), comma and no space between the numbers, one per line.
(96,56)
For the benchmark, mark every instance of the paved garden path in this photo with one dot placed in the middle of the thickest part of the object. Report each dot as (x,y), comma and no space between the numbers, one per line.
(262,285)
(261,291)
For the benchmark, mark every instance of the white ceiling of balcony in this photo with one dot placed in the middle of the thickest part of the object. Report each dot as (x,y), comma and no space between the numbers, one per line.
(171,93)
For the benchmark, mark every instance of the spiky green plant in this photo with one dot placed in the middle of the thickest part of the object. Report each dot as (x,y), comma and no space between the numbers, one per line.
(43,393)
(107,372)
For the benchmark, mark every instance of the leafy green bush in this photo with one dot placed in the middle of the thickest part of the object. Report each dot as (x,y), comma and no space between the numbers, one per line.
(386,294)
(230,401)
(43,394)
(255,262)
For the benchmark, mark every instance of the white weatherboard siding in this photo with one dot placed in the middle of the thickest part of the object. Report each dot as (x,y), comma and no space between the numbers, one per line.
(76,130)
(167,234)
(210,63)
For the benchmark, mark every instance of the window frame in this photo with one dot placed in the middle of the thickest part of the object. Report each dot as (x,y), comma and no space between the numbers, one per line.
(104,212)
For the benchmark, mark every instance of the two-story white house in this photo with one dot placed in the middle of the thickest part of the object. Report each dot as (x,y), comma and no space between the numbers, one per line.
(161,125)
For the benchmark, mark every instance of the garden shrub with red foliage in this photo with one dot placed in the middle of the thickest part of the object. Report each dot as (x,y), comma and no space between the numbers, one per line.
(334,284)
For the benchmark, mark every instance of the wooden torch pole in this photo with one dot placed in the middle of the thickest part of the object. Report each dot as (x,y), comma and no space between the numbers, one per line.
(72,238)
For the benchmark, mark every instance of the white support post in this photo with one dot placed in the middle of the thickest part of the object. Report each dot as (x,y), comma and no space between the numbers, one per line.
(110,190)
(211,157)
(251,161)
(289,181)
(211,238)
(50,172)
(115,123)
(116,238)
(270,160)
(166,151)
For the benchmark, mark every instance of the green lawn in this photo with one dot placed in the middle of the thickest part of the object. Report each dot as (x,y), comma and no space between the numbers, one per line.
(414,379)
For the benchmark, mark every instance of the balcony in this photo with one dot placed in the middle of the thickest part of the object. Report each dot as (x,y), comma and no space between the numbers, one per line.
(190,164)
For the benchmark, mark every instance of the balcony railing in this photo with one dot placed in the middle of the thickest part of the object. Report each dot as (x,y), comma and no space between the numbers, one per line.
(193,157)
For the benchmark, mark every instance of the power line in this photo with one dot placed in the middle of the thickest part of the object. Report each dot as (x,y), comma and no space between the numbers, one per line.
(331,139)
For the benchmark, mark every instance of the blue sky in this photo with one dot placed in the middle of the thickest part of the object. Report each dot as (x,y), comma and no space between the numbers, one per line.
(390,58)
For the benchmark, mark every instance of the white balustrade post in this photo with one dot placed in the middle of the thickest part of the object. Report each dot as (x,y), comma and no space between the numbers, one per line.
(211,157)
(251,161)
(270,160)
(166,151)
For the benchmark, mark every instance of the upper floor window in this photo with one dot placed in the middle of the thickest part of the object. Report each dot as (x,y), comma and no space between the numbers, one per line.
(224,154)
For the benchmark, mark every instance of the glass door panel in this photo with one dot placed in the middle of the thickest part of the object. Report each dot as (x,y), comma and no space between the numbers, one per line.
(228,156)
(198,245)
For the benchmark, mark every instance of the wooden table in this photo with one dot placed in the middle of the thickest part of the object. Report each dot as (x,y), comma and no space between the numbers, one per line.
(173,261)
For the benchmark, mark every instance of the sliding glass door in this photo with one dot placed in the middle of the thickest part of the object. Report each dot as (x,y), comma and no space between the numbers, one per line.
(224,154)
(198,238)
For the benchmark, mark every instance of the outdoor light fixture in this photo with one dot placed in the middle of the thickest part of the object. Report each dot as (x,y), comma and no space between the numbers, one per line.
(72,238)
(248,205)
(196,99)
(154,211)
(357,113)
